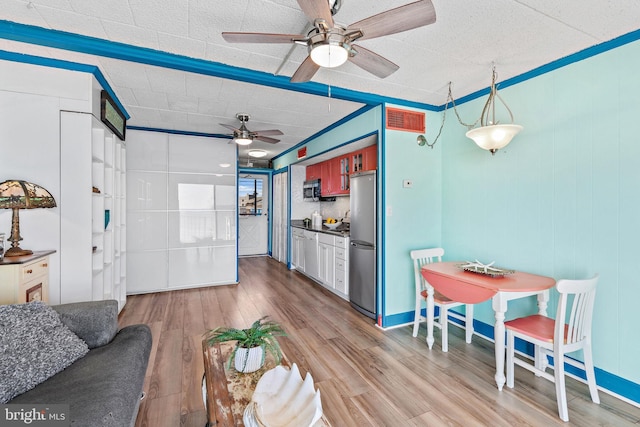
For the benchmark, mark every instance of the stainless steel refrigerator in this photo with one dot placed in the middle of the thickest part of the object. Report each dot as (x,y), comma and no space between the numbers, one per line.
(362,247)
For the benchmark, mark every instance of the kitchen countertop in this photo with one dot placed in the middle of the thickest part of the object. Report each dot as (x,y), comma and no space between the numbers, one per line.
(342,230)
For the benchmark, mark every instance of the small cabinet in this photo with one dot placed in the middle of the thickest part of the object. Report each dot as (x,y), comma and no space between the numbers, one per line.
(25,278)
(365,159)
(326,260)
(311,254)
(297,249)
(342,266)
(313,172)
(370,158)
(357,163)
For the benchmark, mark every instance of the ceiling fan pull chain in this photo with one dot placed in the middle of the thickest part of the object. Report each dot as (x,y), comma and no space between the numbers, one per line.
(329,98)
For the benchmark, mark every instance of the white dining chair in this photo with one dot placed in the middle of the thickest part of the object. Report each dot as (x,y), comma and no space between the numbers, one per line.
(558,337)
(422,257)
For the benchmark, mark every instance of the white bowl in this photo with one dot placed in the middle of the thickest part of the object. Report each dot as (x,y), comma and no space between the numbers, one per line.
(282,398)
(333,226)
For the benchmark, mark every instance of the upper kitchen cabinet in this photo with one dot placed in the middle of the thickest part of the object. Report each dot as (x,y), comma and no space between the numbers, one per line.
(370,158)
(364,159)
(314,171)
(334,173)
(334,176)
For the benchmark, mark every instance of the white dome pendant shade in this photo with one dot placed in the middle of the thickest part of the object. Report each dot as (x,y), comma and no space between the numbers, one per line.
(491,135)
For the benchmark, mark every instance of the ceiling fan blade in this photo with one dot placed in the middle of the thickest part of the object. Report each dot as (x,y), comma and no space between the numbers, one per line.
(372,62)
(230,127)
(261,37)
(403,18)
(268,132)
(317,9)
(305,71)
(266,139)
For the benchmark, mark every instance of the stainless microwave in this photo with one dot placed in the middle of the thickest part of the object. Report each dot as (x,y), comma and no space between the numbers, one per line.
(312,192)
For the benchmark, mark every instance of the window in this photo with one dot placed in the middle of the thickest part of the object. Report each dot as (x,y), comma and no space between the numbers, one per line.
(249,196)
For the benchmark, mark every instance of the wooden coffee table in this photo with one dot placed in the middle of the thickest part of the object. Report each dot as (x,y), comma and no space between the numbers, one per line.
(228,392)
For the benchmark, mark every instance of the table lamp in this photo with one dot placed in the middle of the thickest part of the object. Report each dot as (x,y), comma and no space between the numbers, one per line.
(16,194)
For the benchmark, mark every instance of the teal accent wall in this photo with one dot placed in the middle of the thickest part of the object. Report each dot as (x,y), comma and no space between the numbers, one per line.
(562,199)
(412,216)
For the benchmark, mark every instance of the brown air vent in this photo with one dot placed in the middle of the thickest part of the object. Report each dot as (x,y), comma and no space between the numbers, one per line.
(409,121)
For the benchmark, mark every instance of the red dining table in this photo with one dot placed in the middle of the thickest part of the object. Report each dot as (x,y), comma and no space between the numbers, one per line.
(451,280)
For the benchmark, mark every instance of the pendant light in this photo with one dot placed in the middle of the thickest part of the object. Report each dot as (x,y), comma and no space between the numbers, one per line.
(491,135)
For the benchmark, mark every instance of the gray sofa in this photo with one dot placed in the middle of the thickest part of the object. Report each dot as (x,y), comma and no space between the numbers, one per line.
(104,387)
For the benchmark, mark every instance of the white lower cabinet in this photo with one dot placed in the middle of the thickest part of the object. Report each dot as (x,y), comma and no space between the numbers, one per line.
(326,261)
(297,249)
(311,254)
(342,266)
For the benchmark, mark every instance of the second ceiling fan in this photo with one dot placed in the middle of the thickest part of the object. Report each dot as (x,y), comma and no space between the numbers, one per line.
(243,136)
(331,45)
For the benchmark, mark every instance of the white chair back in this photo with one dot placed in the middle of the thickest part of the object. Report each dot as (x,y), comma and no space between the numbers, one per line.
(577,297)
(422,257)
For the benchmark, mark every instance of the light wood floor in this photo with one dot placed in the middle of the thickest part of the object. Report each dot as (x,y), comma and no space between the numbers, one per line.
(367,377)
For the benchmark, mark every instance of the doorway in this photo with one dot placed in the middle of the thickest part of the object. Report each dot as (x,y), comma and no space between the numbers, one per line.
(253,214)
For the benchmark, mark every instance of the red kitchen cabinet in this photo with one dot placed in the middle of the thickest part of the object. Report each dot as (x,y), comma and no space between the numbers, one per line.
(313,171)
(331,178)
(344,169)
(326,178)
(357,163)
(370,158)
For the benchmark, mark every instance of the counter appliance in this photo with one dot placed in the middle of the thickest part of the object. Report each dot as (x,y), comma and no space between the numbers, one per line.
(362,247)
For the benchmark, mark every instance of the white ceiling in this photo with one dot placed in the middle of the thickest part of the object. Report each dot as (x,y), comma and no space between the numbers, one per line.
(467,38)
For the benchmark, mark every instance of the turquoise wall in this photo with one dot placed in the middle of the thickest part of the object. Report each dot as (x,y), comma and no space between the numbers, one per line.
(411,216)
(562,199)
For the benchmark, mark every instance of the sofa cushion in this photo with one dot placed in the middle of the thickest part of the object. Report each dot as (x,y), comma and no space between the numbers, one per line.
(104,387)
(94,322)
(35,345)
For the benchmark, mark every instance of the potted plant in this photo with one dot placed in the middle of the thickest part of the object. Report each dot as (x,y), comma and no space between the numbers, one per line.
(251,343)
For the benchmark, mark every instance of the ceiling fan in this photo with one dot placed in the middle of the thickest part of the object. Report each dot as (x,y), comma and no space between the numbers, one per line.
(331,45)
(244,136)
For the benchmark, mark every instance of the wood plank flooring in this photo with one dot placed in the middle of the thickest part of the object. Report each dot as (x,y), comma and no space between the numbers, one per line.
(367,377)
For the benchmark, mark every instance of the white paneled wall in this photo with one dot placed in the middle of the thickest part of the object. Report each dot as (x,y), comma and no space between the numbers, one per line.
(181,211)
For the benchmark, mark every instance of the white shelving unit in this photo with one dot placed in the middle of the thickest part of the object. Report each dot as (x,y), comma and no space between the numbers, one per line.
(93,243)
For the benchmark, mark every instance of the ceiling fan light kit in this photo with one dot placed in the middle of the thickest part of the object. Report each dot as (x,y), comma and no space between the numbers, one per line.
(329,55)
(243,136)
(257,153)
(241,140)
(331,45)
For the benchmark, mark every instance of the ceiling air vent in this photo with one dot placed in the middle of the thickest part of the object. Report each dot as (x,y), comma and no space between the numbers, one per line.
(409,121)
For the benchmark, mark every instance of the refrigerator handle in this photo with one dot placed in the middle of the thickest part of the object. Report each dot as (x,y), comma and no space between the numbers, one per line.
(360,244)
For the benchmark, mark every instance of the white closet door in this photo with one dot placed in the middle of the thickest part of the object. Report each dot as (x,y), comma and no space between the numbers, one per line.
(280,217)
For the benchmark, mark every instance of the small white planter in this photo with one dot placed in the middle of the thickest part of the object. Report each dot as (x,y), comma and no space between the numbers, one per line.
(249,359)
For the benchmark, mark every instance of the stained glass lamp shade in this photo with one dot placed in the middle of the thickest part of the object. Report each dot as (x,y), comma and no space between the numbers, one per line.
(16,195)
